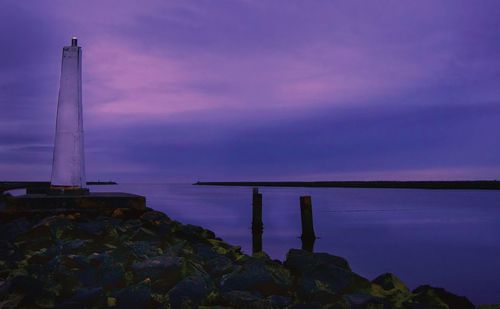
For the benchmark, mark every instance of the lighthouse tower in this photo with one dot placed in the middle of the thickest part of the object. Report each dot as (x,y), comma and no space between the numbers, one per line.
(68,166)
(68,186)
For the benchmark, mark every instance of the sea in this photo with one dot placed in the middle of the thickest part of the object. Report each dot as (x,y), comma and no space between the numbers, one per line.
(445,238)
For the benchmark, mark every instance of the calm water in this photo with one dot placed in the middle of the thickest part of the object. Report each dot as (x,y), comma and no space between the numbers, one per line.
(443,238)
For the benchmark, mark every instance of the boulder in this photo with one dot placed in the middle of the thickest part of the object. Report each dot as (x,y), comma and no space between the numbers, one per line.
(190,291)
(12,301)
(194,233)
(42,256)
(31,288)
(12,229)
(301,261)
(9,252)
(391,288)
(90,229)
(278,301)
(112,277)
(67,281)
(164,230)
(123,254)
(29,245)
(118,213)
(214,263)
(343,303)
(57,226)
(451,300)
(100,260)
(130,225)
(71,261)
(134,296)
(87,276)
(205,252)
(365,300)
(86,297)
(308,306)
(219,266)
(153,217)
(258,275)
(390,282)
(321,276)
(158,268)
(244,299)
(143,234)
(141,249)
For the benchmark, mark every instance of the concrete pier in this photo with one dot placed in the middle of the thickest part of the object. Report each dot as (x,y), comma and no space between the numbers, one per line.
(85,202)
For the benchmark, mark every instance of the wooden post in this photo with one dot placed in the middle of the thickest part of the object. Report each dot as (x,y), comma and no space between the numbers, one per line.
(308,244)
(308,236)
(257,225)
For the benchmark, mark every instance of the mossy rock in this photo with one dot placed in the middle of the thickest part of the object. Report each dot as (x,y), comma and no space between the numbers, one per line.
(214,263)
(279,301)
(155,218)
(10,230)
(244,299)
(75,259)
(257,275)
(450,299)
(26,291)
(90,229)
(391,288)
(426,296)
(158,267)
(145,234)
(87,297)
(194,234)
(300,261)
(190,291)
(134,296)
(58,227)
(390,282)
(323,278)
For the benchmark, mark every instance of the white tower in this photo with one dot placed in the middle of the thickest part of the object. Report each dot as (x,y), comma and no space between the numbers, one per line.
(68,166)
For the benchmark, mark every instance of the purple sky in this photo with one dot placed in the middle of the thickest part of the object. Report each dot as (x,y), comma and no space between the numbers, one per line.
(257,90)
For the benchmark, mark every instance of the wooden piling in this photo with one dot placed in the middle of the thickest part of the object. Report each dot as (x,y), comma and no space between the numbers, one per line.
(256,242)
(308,236)
(257,225)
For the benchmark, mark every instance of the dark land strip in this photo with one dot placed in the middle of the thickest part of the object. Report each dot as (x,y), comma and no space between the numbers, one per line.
(436,185)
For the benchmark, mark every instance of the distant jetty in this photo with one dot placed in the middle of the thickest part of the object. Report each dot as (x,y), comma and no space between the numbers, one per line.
(436,185)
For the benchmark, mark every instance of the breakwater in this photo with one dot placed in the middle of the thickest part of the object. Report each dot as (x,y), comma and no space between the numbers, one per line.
(441,185)
(127,258)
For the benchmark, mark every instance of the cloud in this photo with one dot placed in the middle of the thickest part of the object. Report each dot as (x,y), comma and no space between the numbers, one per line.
(126,85)
(239,89)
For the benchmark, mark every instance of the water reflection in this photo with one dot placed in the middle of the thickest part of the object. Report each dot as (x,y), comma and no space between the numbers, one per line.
(424,236)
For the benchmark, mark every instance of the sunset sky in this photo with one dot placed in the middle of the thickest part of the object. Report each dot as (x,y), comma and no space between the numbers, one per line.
(179,91)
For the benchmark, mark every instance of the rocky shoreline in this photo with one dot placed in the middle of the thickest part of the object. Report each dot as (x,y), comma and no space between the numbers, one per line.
(126,258)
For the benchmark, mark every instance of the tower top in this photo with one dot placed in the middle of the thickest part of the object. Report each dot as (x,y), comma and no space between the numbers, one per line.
(74,41)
